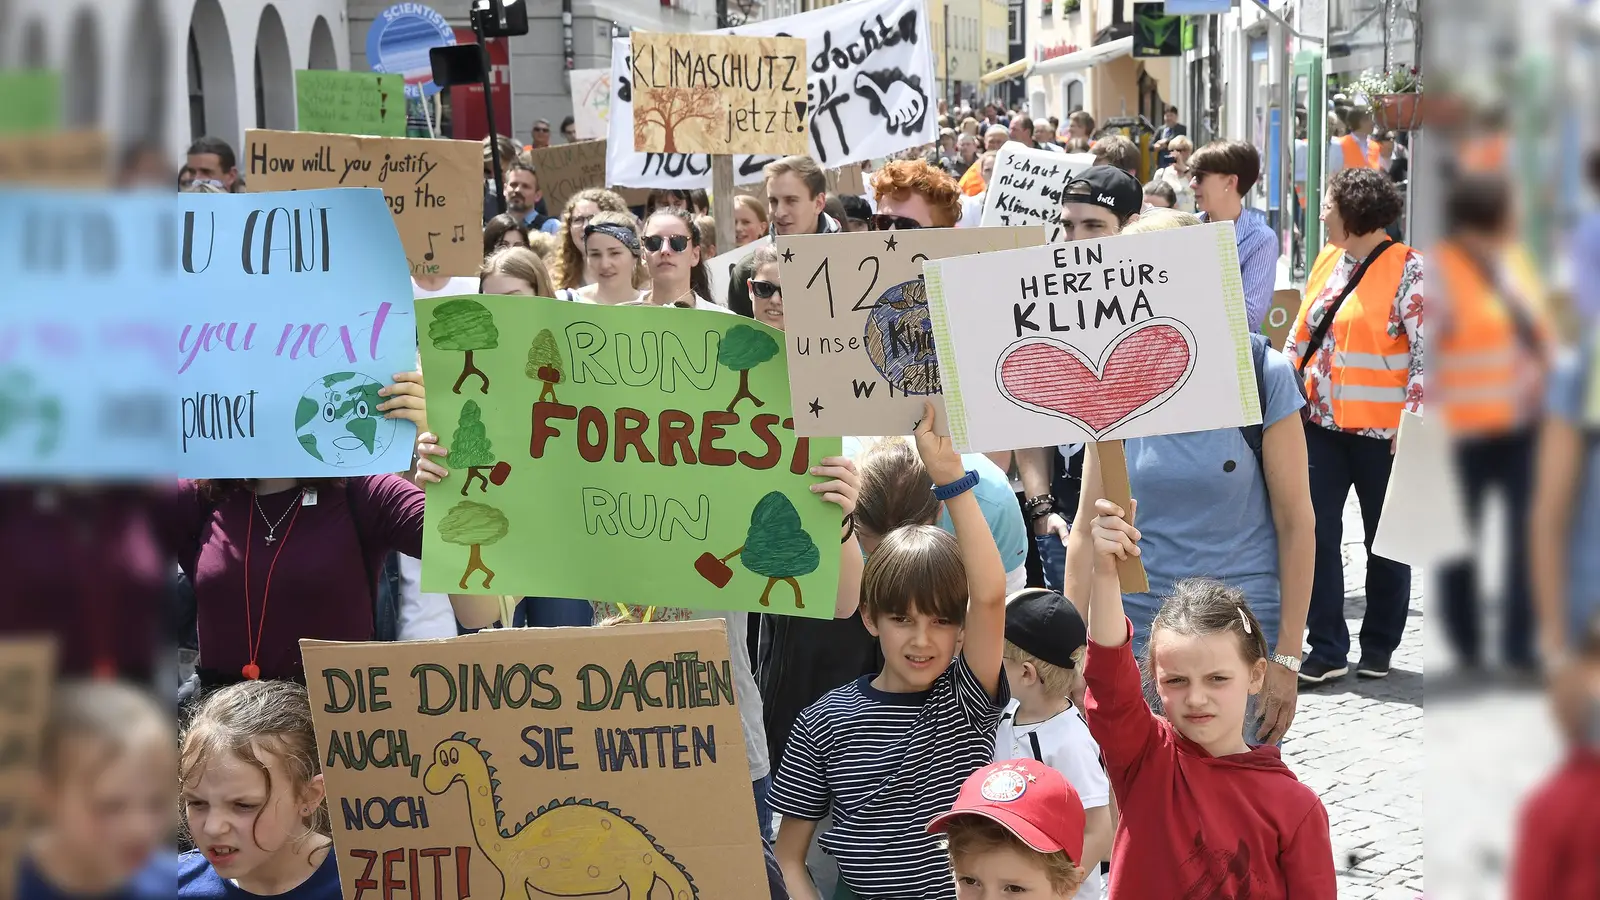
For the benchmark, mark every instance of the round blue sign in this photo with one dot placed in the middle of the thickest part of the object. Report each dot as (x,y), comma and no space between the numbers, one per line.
(398,43)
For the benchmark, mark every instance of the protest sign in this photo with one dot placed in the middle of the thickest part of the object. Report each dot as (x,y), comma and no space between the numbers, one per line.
(350,102)
(295,316)
(433,188)
(1412,532)
(718,93)
(537,762)
(32,101)
(601,434)
(27,669)
(871,90)
(565,169)
(857,332)
(719,269)
(1094,340)
(1280,316)
(66,159)
(591,103)
(1026,188)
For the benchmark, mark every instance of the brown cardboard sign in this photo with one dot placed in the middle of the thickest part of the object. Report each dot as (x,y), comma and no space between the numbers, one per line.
(434,188)
(1281,316)
(27,671)
(719,93)
(537,762)
(565,169)
(65,159)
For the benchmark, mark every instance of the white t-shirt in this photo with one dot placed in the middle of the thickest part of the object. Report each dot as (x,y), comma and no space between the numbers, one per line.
(459,286)
(1063,743)
(972,210)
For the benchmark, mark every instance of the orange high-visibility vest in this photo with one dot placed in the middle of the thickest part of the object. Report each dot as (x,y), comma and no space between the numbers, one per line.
(1370,368)
(971,183)
(1477,350)
(1352,153)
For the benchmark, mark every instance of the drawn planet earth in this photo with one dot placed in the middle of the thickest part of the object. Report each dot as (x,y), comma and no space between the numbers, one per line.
(899,337)
(338,422)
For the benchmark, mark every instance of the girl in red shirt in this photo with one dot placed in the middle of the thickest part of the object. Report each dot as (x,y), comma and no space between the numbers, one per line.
(1203,815)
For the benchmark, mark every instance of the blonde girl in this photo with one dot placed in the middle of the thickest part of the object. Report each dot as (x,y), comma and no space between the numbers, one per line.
(749,219)
(611,247)
(515,271)
(568,269)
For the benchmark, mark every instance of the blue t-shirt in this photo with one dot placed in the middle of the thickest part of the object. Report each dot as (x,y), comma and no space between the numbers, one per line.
(1566,400)
(154,882)
(197,880)
(1203,508)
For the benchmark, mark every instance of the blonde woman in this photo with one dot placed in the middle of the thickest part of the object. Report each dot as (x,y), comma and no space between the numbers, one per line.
(1177,175)
(568,270)
(749,219)
(612,250)
(515,271)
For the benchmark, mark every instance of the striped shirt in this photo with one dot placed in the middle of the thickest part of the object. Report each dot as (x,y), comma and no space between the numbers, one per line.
(886,764)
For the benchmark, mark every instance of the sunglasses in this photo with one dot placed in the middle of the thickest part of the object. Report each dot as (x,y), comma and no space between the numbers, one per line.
(541,131)
(678,242)
(765,290)
(885,222)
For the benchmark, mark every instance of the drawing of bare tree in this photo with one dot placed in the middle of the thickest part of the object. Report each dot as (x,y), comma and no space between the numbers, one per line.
(670,108)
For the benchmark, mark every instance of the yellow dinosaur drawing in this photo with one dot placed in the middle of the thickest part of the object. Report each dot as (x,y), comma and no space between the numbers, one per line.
(567,848)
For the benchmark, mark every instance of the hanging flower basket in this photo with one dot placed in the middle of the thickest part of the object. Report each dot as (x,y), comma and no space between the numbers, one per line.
(1397,112)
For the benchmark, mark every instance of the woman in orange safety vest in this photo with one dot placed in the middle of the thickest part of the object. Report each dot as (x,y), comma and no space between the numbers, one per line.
(1358,346)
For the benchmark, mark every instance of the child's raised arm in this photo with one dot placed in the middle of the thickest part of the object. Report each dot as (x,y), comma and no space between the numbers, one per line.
(1115,539)
(985,629)
(1120,721)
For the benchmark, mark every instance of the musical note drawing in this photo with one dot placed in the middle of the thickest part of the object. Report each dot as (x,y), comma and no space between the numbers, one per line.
(431,235)
(460,234)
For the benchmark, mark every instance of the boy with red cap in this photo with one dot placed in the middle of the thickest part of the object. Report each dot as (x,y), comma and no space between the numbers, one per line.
(1016,829)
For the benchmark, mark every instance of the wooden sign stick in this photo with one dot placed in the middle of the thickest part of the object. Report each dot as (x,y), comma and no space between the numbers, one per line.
(722,206)
(1114,486)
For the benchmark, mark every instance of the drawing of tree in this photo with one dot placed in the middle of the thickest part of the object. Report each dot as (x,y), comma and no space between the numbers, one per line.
(670,108)
(776,546)
(464,325)
(743,348)
(544,363)
(473,525)
(470,449)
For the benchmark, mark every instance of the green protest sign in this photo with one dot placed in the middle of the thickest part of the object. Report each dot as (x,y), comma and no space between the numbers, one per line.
(621,454)
(32,101)
(363,103)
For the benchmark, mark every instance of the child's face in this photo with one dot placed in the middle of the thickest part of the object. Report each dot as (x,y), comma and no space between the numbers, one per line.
(1205,685)
(917,648)
(236,822)
(117,810)
(1003,873)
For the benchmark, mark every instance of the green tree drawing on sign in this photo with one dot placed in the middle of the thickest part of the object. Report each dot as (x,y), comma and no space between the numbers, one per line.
(470,448)
(544,363)
(776,546)
(472,525)
(464,325)
(743,348)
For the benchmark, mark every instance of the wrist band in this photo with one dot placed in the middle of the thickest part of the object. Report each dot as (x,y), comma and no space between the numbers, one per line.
(958,487)
(850,528)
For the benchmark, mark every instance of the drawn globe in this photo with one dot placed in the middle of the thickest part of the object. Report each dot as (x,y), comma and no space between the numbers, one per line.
(899,339)
(337,420)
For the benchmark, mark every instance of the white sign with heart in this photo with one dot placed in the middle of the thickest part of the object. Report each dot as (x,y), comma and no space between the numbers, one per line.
(1122,337)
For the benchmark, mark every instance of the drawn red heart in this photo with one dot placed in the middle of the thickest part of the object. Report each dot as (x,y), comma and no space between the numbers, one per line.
(1142,366)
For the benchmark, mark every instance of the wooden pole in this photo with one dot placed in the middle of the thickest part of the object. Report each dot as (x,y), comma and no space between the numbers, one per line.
(722,206)
(1114,485)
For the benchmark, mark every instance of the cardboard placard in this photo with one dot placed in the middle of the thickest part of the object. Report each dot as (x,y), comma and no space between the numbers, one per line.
(1094,340)
(1423,534)
(565,169)
(871,88)
(538,762)
(1027,184)
(718,93)
(597,431)
(434,188)
(1280,318)
(856,326)
(65,159)
(32,101)
(337,102)
(591,103)
(27,672)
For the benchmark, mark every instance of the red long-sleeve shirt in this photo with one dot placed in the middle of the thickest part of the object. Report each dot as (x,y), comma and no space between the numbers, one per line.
(1194,826)
(1558,833)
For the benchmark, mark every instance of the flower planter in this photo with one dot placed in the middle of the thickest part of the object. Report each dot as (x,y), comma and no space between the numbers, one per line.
(1397,112)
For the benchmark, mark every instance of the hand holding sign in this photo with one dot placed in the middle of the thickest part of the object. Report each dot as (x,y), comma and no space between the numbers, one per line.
(898,99)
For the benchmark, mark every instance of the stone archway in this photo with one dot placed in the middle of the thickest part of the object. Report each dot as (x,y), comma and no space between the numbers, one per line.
(35,47)
(81,80)
(323,53)
(274,74)
(213,90)
(144,82)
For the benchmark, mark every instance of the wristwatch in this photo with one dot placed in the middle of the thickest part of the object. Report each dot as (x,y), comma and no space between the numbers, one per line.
(1292,663)
(958,487)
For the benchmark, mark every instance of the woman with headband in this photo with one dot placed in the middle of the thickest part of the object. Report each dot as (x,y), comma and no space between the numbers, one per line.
(611,251)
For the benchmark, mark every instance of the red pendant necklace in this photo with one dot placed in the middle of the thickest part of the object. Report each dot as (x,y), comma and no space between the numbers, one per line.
(252,637)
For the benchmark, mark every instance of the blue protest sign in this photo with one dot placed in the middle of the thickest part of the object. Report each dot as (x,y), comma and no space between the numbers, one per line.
(398,42)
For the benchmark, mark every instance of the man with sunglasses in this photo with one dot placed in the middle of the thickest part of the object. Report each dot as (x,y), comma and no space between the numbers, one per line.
(910,194)
(541,135)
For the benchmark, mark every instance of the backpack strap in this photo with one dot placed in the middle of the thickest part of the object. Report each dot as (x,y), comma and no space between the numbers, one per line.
(1259,345)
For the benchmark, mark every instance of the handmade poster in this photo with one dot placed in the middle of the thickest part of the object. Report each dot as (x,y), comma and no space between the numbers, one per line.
(621,454)
(871,93)
(856,323)
(88,387)
(1094,340)
(78,160)
(1280,317)
(591,102)
(1423,533)
(1027,184)
(350,102)
(565,169)
(27,669)
(537,762)
(32,101)
(719,268)
(296,314)
(718,93)
(434,188)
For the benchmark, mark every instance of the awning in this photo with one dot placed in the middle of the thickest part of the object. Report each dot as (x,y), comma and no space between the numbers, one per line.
(1067,62)
(1005,72)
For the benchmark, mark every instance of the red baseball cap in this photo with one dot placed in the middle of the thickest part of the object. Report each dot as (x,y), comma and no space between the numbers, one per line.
(1028,799)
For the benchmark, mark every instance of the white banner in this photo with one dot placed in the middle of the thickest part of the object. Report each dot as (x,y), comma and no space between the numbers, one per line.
(591,103)
(871,93)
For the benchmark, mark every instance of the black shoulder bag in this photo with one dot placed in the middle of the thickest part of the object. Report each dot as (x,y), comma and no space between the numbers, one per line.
(1321,333)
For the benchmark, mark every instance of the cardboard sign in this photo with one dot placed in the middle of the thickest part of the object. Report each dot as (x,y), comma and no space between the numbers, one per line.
(434,188)
(291,327)
(1280,318)
(717,93)
(719,269)
(27,670)
(871,92)
(1027,184)
(857,331)
(565,169)
(1423,534)
(1096,340)
(350,102)
(597,433)
(32,101)
(591,103)
(537,762)
(66,159)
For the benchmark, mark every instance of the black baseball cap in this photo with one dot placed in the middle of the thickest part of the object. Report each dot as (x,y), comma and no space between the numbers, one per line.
(1107,187)
(1043,624)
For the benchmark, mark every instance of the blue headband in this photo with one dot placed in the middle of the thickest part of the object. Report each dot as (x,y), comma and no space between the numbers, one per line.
(625,235)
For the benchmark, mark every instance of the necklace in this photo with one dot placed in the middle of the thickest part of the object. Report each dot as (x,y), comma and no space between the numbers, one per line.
(252,636)
(272,527)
